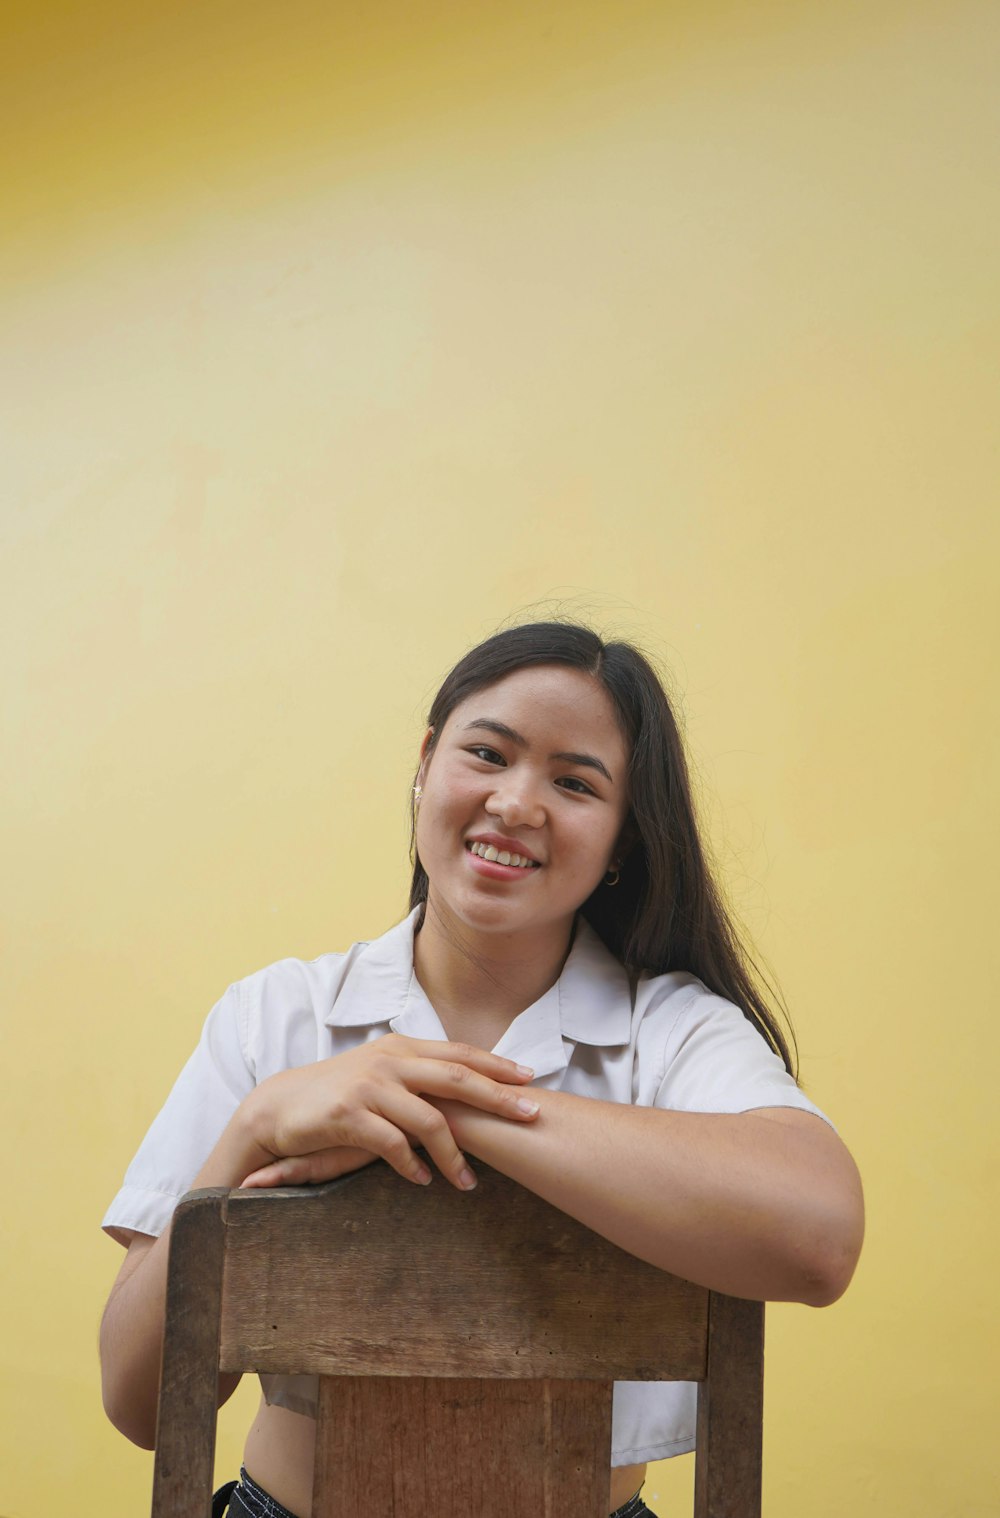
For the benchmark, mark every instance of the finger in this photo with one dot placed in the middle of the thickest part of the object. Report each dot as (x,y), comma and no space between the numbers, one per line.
(495,1065)
(381,1136)
(457,1082)
(425,1125)
(308,1169)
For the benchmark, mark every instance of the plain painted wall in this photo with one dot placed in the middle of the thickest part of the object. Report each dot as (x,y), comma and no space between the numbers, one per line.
(334,336)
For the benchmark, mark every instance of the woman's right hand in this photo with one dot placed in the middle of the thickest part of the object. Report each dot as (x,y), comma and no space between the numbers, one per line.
(309,1124)
(323,1120)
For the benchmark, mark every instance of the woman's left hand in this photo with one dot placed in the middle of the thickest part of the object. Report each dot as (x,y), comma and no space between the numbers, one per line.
(299,1170)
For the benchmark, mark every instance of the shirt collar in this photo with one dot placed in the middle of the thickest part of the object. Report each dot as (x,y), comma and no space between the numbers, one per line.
(590,1003)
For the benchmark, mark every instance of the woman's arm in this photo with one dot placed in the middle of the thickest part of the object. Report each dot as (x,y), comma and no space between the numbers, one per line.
(132,1326)
(764,1204)
(333,1117)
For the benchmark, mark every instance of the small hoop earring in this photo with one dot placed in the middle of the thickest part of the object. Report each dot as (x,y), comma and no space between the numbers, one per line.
(612,877)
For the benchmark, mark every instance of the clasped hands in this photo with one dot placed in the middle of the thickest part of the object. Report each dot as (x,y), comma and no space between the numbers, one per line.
(319,1121)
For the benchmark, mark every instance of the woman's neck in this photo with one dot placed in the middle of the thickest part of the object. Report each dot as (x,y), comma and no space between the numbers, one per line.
(477,983)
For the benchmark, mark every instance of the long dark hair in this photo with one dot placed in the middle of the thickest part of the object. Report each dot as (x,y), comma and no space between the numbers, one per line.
(666,913)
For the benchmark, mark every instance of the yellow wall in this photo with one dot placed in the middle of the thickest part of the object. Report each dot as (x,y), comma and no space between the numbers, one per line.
(335,334)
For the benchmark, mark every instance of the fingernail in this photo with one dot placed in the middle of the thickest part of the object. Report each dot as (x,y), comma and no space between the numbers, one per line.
(422,1176)
(467,1179)
(524,1070)
(523,1105)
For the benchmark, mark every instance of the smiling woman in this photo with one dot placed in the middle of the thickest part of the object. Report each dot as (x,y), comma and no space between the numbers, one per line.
(564,931)
(541,788)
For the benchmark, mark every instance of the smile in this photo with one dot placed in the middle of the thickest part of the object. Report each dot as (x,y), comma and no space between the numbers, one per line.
(501,856)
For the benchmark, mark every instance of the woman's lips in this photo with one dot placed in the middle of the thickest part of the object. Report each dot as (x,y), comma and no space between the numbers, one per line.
(494,870)
(500,851)
(495,845)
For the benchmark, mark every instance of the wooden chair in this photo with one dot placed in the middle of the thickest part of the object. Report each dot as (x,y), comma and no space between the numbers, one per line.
(466,1345)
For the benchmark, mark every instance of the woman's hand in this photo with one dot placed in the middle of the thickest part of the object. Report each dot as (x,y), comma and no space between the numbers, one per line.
(323,1120)
(309,1124)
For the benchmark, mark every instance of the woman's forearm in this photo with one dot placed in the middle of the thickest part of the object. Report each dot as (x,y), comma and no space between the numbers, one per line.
(760,1204)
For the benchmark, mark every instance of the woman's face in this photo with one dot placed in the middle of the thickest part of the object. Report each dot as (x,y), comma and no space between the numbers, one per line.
(532,767)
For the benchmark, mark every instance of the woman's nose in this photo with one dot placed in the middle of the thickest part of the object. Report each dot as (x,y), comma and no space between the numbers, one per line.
(516,804)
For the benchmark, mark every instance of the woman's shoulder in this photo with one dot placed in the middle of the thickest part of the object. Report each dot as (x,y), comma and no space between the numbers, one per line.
(290,988)
(319,977)
(673,994)
(684,1015)
(704,1053)
(291,976)
(291,994)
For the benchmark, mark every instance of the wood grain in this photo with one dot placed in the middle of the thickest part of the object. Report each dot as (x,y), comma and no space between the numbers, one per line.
(433,1281)
(727,1477)
(456,1447)
(189,1375)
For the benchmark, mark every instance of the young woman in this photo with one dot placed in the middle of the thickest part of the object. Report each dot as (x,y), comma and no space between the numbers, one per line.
(566,1001)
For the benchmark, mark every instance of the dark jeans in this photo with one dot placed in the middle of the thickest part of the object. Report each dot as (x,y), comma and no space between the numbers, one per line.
(245,1499)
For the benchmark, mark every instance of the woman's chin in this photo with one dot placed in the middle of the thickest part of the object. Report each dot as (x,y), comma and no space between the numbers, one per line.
(479,911)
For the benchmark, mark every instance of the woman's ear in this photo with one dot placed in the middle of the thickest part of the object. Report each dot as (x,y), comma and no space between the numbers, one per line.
(627,840)
(425,754)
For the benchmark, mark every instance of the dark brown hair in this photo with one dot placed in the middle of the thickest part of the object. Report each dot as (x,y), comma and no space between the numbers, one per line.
(666,913)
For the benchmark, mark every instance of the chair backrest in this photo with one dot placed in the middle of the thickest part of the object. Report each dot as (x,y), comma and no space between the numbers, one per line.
(466,1345)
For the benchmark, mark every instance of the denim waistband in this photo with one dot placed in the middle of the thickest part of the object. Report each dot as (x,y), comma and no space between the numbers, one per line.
(248,1500)
(633,1508)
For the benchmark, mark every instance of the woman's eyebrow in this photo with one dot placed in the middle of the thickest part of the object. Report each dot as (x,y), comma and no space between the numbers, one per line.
(500,728)
(588,761)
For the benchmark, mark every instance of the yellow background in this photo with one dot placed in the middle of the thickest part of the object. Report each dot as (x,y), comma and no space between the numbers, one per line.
(333,335)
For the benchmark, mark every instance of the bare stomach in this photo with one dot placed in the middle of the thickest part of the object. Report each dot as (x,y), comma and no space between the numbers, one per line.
(279,1456)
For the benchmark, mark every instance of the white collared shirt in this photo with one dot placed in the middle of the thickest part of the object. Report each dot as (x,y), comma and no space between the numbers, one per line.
(674,1044)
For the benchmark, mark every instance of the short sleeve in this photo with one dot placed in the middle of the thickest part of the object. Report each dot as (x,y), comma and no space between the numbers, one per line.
(716,1061)
(205,1095)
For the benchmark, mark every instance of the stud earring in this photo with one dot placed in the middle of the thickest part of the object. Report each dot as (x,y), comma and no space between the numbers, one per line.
(418,791)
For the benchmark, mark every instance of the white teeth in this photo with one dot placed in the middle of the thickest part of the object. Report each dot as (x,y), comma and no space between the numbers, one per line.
(501,856)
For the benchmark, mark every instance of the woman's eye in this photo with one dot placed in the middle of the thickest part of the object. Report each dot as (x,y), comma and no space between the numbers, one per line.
(489,754)
(579,787)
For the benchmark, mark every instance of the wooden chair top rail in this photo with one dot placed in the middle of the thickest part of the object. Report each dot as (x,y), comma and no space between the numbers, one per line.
(437,1282)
